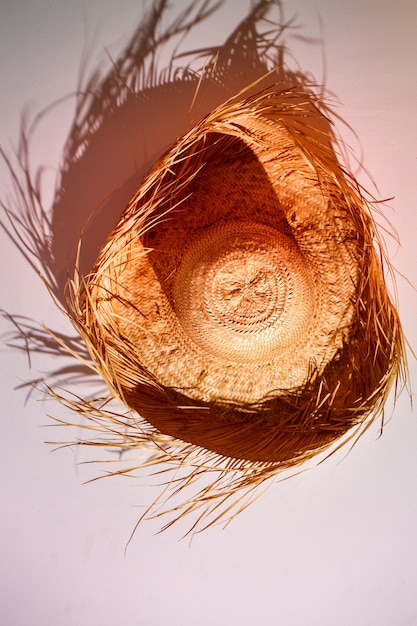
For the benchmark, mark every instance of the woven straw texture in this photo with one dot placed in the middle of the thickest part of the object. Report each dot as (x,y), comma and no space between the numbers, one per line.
(240,303)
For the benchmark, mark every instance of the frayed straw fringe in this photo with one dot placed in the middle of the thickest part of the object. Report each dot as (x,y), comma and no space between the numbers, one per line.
(222,451)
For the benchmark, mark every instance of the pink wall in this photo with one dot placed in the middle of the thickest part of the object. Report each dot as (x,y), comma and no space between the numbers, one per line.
(336,545)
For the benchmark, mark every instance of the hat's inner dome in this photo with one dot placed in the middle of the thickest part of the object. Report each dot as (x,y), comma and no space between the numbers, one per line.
(228,262)
(242,291)
(227,301)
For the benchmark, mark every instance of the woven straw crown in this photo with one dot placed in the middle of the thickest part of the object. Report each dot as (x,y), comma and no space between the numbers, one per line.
(240,304)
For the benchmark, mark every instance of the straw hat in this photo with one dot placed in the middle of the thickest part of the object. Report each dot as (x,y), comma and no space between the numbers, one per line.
(240,304)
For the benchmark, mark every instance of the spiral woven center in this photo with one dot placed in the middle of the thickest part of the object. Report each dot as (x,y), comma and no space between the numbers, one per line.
(243,292)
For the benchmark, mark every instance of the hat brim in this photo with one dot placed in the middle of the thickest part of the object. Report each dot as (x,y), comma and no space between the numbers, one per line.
(249,187)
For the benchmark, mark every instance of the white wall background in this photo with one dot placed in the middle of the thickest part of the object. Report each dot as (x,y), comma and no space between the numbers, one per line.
(334,546)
